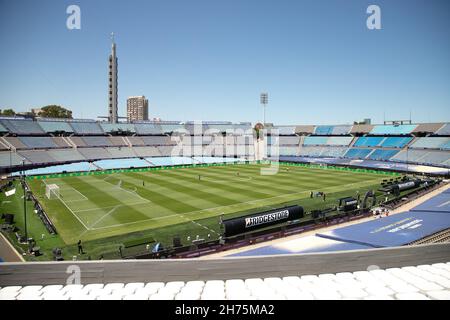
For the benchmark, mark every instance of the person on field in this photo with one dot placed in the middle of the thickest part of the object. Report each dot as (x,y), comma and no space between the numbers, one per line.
(80,247)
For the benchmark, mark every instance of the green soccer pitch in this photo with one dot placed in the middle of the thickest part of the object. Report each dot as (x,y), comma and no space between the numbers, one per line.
(92,207)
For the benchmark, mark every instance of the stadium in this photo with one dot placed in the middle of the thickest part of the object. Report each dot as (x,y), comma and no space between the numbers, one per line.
(105,209)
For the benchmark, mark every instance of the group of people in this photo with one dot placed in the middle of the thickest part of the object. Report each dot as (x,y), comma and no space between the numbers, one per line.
(318,194)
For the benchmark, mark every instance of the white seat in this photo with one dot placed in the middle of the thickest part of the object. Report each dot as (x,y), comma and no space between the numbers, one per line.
(379,290)
(134,285)
(31,289)
(321,294)
(54,295)
(174,285)
(29,296)
(72,288)
(99,292)
(156,285)
(403,288)
(51,288)
(113,286)
(162,296)
(353,293)
(9,293)
(439,295)
(110,297)
(82,296)
(92,286)
(379,298)
(411,296)
(136,297)
(309,278)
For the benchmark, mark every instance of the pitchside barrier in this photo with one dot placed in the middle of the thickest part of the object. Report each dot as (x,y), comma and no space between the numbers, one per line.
(292,164)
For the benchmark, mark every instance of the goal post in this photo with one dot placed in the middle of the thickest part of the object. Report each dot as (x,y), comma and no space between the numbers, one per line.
(52,191)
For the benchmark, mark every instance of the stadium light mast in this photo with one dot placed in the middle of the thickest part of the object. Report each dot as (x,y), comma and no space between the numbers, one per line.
(264,100)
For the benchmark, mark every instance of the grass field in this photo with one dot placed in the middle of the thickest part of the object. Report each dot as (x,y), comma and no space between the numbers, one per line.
(179,203)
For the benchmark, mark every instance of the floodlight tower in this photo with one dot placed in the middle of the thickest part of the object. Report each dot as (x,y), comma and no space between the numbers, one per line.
(264,100)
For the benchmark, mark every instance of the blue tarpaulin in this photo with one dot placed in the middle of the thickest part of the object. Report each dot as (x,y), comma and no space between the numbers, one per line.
(439,203)
(396,230)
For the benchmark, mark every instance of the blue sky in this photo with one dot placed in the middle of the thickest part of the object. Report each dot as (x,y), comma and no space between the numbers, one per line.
(209,59)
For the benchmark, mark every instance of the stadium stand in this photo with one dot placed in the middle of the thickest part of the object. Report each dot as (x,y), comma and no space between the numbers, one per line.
(427,128)
(158,161)
(83,128)
(94,141)
(356,153)
(339,141)
(78,141)
(401,276)
(323,130)
(341,130)
(148,128)
(121,152)
(422,156)
(38,142)
(3,145)
(310,151)
(73,167)
(334,152)
(315,141)
(3,129)
(37,156)
(289,151)
(147,152)
(361,129)
(55,126)
(118,141)
(284,141)
(156,140)
(393,129)
(395,142)
(8,159)
(435,157)
(136,141)
(15,142)
(94,153)
(165,151)
(121,163)
(444,131)
(285,130)
(303,130)
(380,154)
(22,126)
(61,142)
(172,128)
(368,141)
(431,143)
(66,155)
(118,127)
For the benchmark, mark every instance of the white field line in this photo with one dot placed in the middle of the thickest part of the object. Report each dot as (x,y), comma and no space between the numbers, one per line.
(105,215)
(109,207)
(85,198)
(368,182)
(74,214)
(131,192)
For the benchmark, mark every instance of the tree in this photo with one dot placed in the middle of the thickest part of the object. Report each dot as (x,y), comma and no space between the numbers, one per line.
(54,111)
(7,112)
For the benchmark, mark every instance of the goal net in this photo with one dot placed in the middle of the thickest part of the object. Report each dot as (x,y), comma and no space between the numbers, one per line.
(52,191)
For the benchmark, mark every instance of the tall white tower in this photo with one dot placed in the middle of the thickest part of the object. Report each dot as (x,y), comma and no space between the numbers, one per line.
(112,102)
